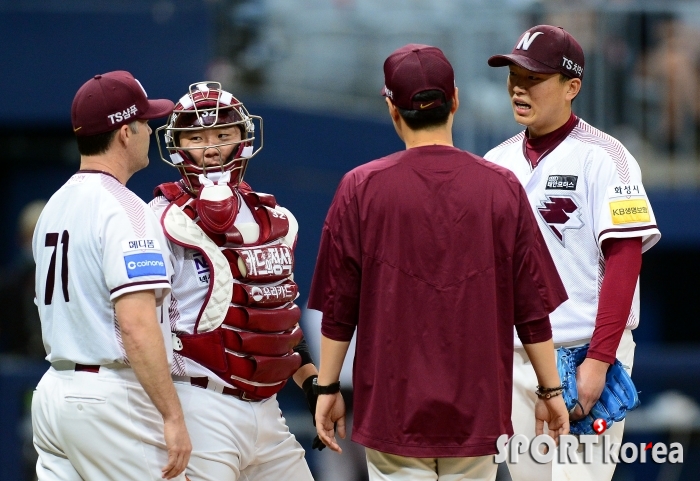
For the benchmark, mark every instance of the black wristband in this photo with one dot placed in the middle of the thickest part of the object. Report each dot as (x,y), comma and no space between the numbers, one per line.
(307,385)
(330,389)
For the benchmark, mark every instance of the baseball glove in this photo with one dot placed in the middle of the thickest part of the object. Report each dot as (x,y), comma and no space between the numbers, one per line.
(619,394)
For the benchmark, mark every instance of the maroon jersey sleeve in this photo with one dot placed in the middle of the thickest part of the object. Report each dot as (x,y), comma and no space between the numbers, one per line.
(537,286)
(335,288)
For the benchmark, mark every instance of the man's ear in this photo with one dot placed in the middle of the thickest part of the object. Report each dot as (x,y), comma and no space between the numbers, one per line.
(124,134)
(395,118)
(393,111)
(455,102)
(574,88)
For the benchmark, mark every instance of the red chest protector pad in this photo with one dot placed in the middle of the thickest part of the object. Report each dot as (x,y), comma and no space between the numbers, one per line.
(247,328)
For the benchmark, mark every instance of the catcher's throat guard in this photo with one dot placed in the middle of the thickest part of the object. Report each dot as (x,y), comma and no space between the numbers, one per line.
(618,397)
(208,106)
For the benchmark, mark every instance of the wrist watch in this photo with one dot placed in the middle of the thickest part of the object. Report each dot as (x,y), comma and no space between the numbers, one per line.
(330,389)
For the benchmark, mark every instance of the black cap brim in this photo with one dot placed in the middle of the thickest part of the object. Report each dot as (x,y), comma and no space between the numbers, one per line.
(158,108)
(521,61)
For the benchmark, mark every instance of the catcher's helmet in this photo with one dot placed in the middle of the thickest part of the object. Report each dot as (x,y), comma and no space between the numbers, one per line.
(207,106)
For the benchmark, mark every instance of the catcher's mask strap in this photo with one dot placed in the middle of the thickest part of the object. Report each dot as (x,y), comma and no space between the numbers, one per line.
(176,158)
(186,102)
(225,98)
(247,152)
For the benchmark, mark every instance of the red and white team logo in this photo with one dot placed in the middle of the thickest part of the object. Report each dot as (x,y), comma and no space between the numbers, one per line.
(560,214)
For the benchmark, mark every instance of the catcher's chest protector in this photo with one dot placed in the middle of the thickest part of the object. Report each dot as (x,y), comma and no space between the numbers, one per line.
(247,326)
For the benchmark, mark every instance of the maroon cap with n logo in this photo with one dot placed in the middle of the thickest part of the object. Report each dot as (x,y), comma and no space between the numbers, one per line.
(108,101)
(545,49)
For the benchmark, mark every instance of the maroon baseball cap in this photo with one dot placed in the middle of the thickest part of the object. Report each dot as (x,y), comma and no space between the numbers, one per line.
(545,49)
(108,101)
(415,68)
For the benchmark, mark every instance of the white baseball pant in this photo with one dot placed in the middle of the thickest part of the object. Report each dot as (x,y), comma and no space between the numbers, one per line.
(523,417)
(236,440)
(96,426)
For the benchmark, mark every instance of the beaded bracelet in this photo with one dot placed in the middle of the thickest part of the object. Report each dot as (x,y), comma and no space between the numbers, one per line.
(549,389)
(547,395)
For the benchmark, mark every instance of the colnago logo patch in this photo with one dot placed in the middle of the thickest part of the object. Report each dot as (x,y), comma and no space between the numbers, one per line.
(144,264)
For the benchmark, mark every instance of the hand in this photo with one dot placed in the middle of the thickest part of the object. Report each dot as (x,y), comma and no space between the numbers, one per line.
(553,412)
(177,441)
(330,413)
(590,382)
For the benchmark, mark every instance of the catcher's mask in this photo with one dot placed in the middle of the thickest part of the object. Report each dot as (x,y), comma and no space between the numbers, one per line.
(208,106)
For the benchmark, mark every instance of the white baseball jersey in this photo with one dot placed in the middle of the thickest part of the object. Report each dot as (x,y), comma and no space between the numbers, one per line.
(190,283)
(588,189)
(95,241)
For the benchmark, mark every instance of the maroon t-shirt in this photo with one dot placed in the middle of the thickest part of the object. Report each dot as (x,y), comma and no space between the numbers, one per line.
(433,254)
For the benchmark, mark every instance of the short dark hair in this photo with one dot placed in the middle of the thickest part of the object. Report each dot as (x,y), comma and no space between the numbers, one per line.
(426,119)
(95,144)
(98,144)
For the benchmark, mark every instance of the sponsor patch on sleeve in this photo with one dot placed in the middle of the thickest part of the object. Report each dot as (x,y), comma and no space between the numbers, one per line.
(144,264)
(628,204)
(629,211)
(626,191)
(140,245)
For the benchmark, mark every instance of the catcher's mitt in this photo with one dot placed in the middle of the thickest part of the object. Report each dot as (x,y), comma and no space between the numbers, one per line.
(619,394)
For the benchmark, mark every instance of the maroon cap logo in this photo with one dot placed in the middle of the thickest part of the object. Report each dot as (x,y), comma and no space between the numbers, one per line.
(526,40)
(545,49)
